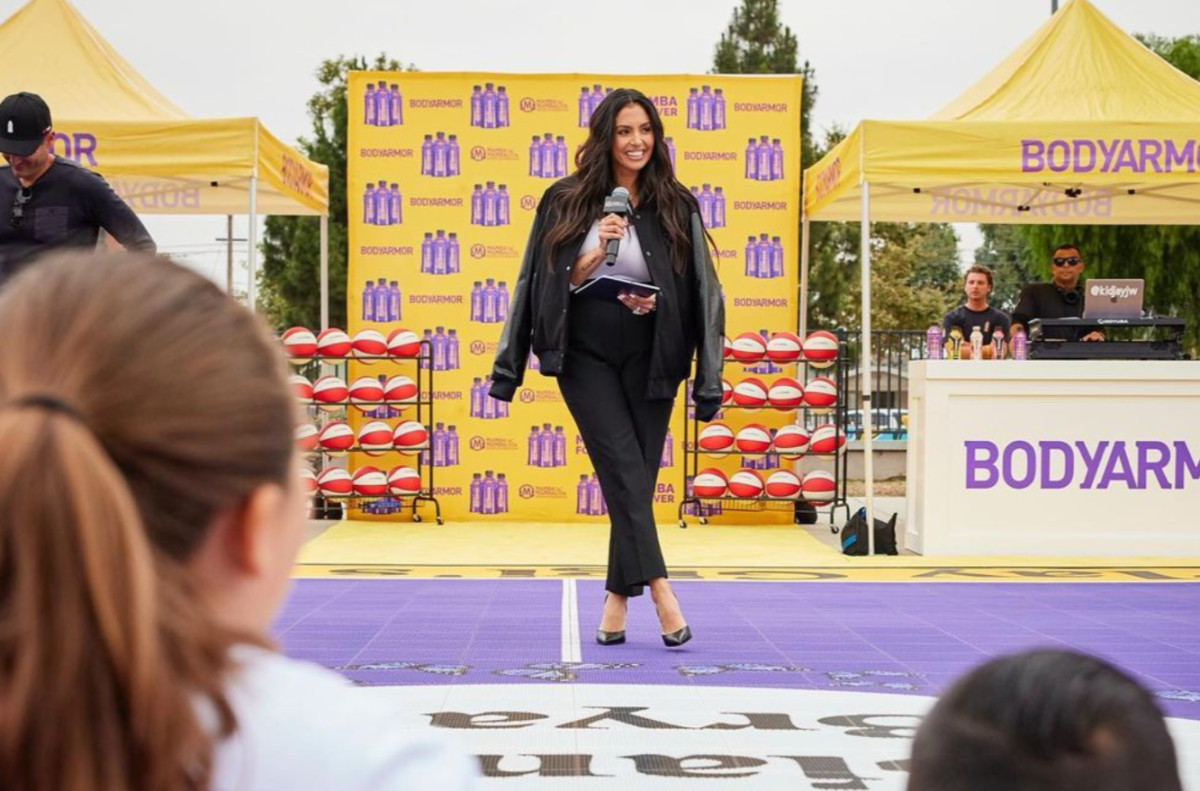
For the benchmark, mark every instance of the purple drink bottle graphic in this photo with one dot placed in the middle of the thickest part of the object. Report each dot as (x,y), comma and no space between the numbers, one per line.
(382,298)
(502,206)
(439,445)
(535,157)
(452,163)
(560,157)
(752,265)
(595,498)
(719,109)
(368,301)
(476,106)
(706,109)
(383,204)
(502,409)
(693,108)
(427,156)
(489,302)
(533,456)
(440,253)
(776,159)
(776,257)
(394,301)
(383,105)
(706,205)
(476,494)
(439,349)
(596,97)
(719,208)
(488,493)
(764,255)
(427,347)
(489,106)
(764,159)
(585,108)
(477,394)
(396,216)
(453,251)
(560,447)
(369,105)
(477,301)
(452,447)
(502,108)
(549,155)
(477,205)
(489,204)
(501,494)
(452,350)
(427,254)
(490,411)
(751,159)
(546,446)
(502,301)
(397,105)
(441,156)
(369,204)
(670,150)
(668,454)
(582,498)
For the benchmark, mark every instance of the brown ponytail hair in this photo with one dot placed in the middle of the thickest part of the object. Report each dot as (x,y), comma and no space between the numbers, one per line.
(137,402)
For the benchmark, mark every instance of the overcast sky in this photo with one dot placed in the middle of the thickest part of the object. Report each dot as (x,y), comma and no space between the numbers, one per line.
(873,58)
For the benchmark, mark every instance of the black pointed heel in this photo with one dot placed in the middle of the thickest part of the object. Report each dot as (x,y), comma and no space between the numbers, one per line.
(609,638)
(676,639)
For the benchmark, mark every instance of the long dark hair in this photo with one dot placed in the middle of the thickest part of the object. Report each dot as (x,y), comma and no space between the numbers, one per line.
(582,201)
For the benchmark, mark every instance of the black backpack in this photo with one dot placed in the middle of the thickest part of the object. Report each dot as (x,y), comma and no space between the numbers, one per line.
(854,535)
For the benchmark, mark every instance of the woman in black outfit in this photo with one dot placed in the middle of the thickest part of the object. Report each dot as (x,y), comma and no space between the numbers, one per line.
(619,363)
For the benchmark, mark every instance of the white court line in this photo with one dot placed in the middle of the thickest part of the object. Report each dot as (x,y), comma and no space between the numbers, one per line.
(571,649)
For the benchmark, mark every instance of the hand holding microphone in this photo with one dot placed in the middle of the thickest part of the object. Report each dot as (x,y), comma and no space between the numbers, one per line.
(616,212)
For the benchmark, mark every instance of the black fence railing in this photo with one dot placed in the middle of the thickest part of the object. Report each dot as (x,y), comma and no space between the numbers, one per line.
(891,352)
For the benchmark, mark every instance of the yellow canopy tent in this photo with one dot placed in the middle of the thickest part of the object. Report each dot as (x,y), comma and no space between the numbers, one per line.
(1081,124)
(107,117)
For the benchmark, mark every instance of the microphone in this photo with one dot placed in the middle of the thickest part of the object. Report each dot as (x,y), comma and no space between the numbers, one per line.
(617,203)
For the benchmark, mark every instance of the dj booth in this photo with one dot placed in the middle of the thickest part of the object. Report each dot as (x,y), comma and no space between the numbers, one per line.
(1162,339)
(1079,457)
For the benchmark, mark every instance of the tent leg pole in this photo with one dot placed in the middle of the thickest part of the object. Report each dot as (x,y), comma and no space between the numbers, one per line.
(865,368)
(804,233)
(324,271)
(252,253)
(229,254)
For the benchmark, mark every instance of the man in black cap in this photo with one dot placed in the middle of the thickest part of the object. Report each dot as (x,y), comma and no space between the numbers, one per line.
(50,202)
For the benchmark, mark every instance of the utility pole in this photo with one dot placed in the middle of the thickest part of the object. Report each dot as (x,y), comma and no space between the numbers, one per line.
(229,257)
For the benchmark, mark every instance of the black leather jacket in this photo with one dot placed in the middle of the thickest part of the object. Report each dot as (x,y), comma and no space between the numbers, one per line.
(689,315)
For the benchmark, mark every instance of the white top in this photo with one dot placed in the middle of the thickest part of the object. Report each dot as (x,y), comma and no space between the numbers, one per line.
(630,261)
(301,727)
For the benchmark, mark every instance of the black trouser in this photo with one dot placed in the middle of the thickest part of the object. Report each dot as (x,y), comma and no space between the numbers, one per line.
(603,382)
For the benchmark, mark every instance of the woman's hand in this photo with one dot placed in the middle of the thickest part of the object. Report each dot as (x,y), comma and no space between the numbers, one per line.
(612,226)
(639,305)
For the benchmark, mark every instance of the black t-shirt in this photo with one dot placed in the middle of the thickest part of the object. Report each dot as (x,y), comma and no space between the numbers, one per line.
(1048,301)
(988,321)
(67,208)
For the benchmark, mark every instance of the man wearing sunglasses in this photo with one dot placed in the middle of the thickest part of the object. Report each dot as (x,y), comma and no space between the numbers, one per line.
(1061,298)
(50,203)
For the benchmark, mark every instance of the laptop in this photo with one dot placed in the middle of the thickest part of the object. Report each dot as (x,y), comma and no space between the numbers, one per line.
(1113,298)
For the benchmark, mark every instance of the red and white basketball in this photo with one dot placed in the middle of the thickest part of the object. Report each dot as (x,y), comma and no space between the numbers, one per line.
(301,387)
(819,487)
(410,435)
(750,393)
(821,349)
(336,435)
(827,440)
(333,343)
(783,484)
(726,392)
(404,480)
(300,342)
(330,392)
(791,441)
(375,437)
(710,482)
(784,347)
(785,393)
(753,439)
(306,437)
(400,388)
(308,481)
(365,389)
(403,343)
(715,438)
(821,392)
(335,482)
(745,483)
(749,347)
(369,343)
(369,482)
(728,348)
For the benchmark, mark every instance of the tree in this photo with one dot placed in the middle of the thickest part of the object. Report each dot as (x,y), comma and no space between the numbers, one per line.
(289,282)
(1006,253)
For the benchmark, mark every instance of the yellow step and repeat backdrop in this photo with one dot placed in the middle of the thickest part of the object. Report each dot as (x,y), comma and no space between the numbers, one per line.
(445,172)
